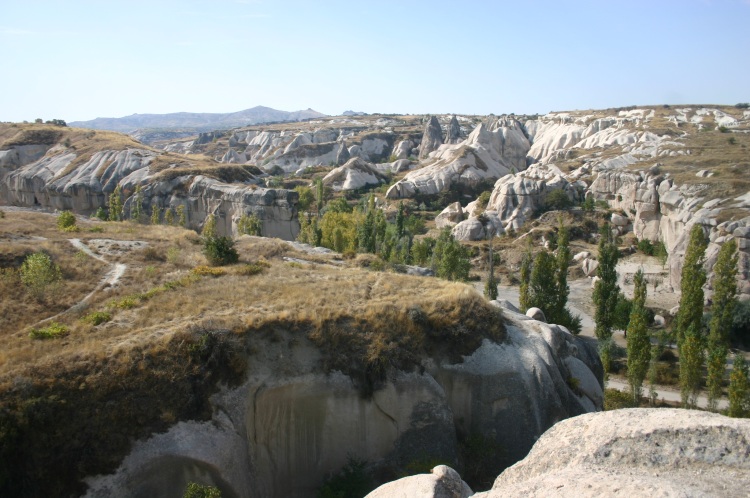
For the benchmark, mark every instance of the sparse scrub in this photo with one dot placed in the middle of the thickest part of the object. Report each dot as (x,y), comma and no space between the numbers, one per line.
(97,318)
(195,490)
(249,225)
(52,331)
(209,271)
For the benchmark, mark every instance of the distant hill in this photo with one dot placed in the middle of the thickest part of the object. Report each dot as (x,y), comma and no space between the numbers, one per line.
(196,121)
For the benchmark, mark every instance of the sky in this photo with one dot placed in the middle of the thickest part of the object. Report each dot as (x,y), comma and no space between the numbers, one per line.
(78,60)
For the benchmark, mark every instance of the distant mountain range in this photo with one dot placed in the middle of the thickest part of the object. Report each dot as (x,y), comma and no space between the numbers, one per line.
(196,121)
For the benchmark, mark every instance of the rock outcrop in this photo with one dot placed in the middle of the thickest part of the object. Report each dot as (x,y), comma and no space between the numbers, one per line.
(488,153)
(441,482)
(453,136)
(289,424)
(432,138)
(355,174)
(60,179)
(635,452)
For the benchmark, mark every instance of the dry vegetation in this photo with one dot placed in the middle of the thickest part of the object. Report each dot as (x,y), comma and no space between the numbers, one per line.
(149,350)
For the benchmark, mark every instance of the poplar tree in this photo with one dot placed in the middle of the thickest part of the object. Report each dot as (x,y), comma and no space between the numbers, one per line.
(155,217)
(524,298)
(639,341)
(560,314)
(115,204)
(605,295)
(739,388)
(722,314)
(690,316)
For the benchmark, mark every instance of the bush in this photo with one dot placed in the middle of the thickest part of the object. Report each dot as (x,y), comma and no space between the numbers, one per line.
(740,332)
(254,268)
(742,105)
(484,199)
(66,221)
(250,225)
(207,271)
(101,213)
(615,399)
(2,214)
(353,480)
(723,129)
(220,251)
(53,331)
(40,275)
(556,200)
(97,318)
(195,490)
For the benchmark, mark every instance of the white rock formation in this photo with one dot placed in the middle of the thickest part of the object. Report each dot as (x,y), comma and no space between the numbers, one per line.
(441,482)
(290,424)
(634,452)
(355,174)
(450,216)
(487,154)
(432,138)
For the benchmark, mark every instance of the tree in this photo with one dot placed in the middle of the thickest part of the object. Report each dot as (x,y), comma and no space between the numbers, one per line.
(559,309)
(181,215)
(739,388)
(400,218)
(169,216)
(319,194)
(490,287)
(136,208)
(693,278)
(306,198)
(40,275)
(66,221)
(155,214)
(543,285)
(450,258)
(690,316)
(220,251)
(639,341)
(250,225)
(605,295)
(115,204)
(524,296)
(209,227)
(722,316)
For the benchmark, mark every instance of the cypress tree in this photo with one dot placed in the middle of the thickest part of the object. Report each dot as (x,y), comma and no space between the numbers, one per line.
(722,314)
(524,297)
(560,314)
(605,295)
(639,341)
(690,316)
(739,388)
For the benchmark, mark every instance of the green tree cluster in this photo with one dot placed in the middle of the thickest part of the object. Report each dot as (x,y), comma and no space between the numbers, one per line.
(739,388)
(250,224)
(40,275)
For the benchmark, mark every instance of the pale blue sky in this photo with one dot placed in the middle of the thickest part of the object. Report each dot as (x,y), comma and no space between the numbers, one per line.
(77,60)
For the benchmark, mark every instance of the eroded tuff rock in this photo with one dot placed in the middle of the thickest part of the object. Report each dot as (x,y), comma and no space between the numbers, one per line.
(635,452)
(289,424)
(355,174)
(432,138)
(660,210)
(441,482)
(488,153)
(56,181)
(453,136)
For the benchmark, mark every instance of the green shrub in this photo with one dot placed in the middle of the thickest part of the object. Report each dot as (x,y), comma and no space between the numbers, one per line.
(220,251)
(101,213)
(52,331)
(97,318)
(249,225)
(173,255)
(96,229)
(615,399)
(40,275)
(352,481)
(723,129)
(66,221)
(253,268)
(2,214)
(207,271)
(556,200)
(484,199)
(195,490)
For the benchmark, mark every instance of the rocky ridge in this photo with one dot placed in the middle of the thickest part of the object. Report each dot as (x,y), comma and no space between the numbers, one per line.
(289,423)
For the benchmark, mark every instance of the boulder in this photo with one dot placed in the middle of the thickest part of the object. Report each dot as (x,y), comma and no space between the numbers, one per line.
(634,452)
(589,267)
(432,138)
(659,321)
(536,314)
(342,156)
(471,229)
(403,149)
(450,216)
(581,256)
(442,482)
(355,174)
(619,220)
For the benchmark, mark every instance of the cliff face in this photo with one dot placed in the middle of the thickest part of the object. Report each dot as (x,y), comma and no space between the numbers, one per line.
(59,177)
(289,424)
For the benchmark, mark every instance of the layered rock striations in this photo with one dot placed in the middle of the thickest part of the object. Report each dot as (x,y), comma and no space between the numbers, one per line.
(58,178)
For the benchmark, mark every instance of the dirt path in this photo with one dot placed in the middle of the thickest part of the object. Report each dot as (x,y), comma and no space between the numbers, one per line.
(113,275)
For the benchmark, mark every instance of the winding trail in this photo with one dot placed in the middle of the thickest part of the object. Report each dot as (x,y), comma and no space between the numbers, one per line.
(110,278)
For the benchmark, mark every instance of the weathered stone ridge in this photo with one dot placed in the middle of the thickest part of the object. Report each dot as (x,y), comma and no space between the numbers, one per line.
(290,424)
